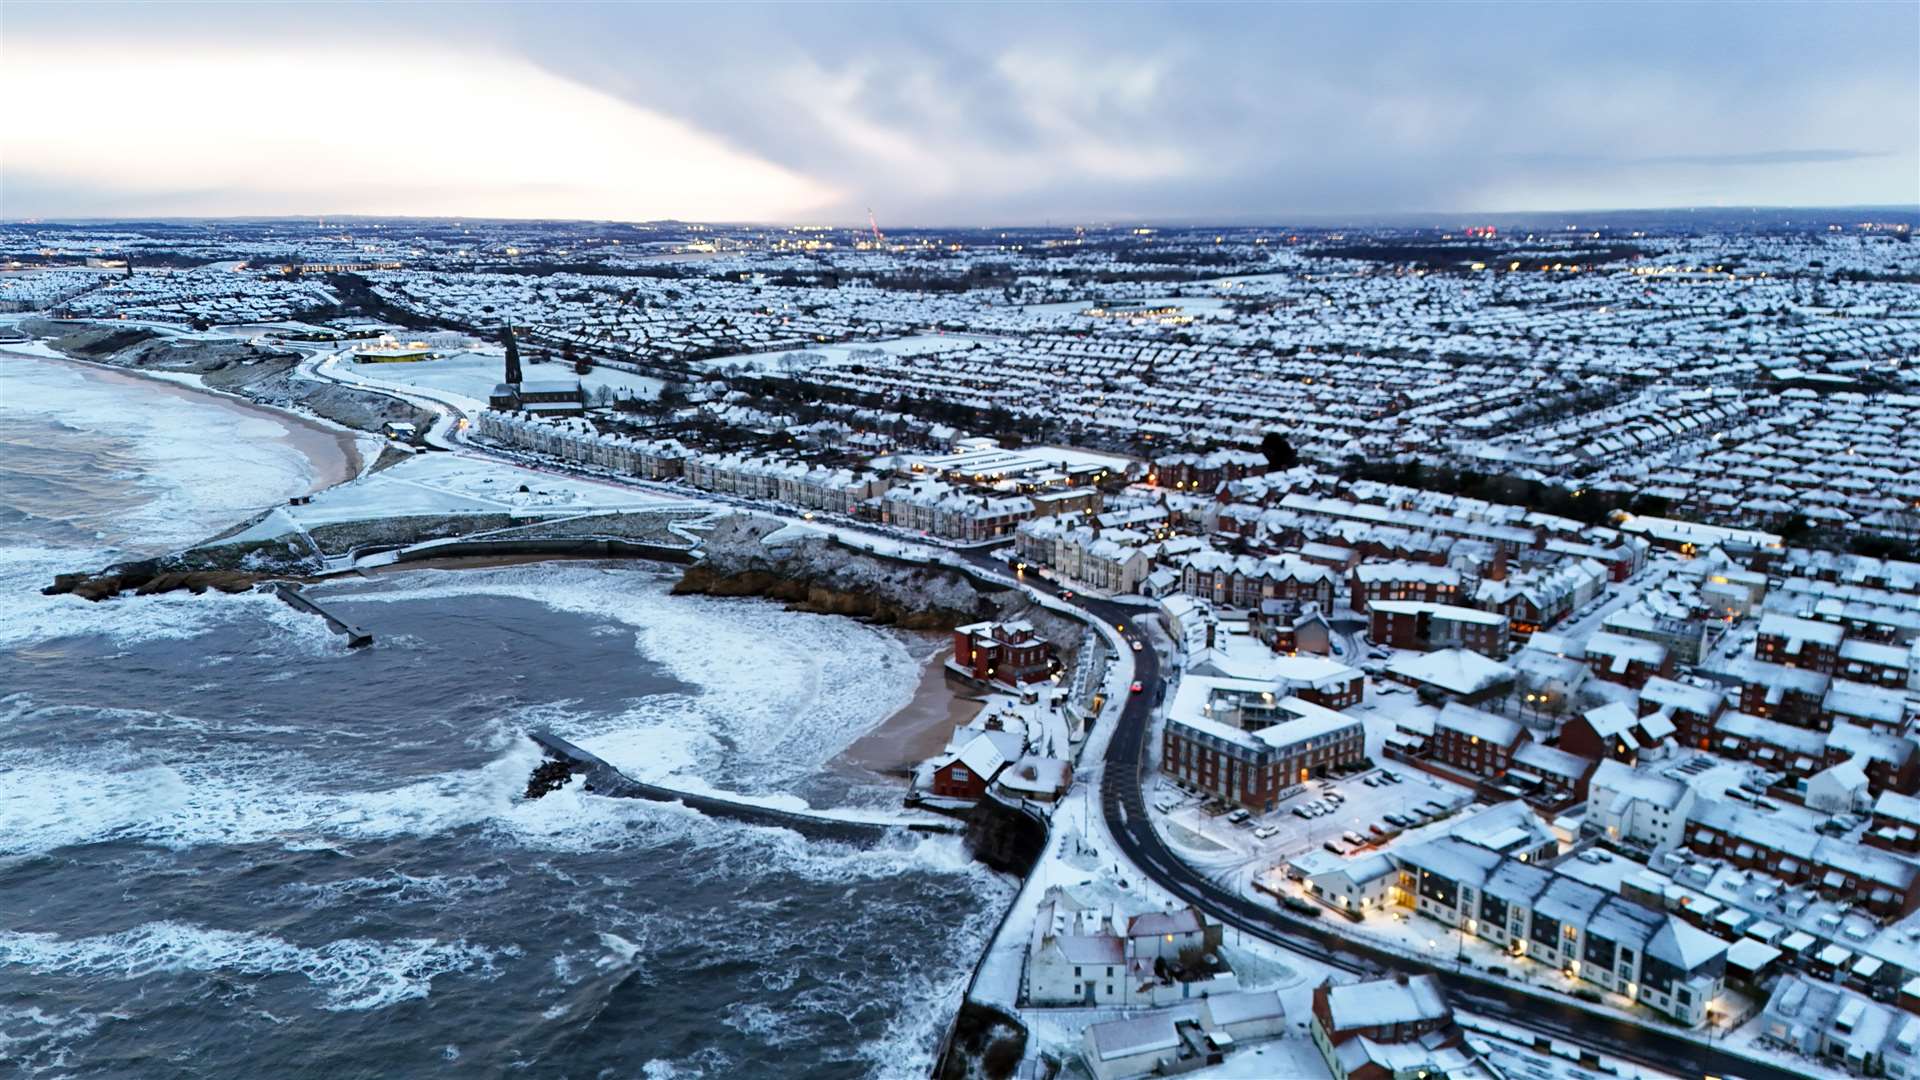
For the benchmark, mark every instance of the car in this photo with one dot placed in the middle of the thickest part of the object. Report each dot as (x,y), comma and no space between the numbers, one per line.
(1371,781)
(1066,594)
(1376,830)
(1335,848)
(1136,646)
(1238,816)
(1353,838)
(1336,797)
(1301,812)
(1396,819)
(1136,687)
(1266,831)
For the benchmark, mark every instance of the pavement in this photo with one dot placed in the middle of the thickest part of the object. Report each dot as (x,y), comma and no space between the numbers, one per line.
(1123,804)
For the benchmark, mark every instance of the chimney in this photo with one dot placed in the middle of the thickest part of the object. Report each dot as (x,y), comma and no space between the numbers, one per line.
(1498,571)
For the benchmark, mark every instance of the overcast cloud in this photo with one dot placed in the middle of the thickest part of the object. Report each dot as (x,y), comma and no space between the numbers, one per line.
(964,114)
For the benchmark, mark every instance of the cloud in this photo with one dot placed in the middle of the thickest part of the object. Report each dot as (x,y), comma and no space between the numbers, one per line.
(965,114)
(317,128)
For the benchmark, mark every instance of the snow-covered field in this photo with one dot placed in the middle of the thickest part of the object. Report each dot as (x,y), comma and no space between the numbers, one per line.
(437,484)
(473,375)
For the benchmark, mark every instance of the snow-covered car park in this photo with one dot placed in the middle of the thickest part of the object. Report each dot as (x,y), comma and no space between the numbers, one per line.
(1350,813)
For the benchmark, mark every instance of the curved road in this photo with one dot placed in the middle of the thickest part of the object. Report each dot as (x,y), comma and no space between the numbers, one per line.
(1123,804)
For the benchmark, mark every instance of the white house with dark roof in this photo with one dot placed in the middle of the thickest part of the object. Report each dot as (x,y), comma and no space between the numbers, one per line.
(1083,954)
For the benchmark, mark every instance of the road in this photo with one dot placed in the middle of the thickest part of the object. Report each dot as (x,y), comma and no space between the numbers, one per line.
(1123,806)
(1122,803)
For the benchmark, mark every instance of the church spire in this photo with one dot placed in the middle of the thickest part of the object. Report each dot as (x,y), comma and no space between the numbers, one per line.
(513,356)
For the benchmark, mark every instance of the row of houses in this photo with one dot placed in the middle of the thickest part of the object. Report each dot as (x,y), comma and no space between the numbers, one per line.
(933,507)
(1585,932)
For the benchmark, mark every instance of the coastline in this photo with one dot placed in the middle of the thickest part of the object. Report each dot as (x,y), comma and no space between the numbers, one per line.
(917,731)
(333,452)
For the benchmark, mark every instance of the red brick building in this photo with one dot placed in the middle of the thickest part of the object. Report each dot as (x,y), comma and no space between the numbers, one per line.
(1382,1029)
(1009,653)
(1475,742)
(1416,624)
(1615,731)
(966,772)
(1617,658)
(1403,581)
(1799,643)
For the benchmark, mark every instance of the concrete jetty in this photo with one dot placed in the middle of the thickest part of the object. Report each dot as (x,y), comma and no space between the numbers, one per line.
(603,779)
(298,600)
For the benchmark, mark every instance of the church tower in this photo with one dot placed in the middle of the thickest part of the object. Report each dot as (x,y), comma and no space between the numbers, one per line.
(513,357)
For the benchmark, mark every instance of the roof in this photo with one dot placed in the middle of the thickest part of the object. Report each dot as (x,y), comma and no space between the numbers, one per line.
(1245,1005)
(1483,725)
(1459,671)
(1387,1001)
(1686,948)
(1139,1035)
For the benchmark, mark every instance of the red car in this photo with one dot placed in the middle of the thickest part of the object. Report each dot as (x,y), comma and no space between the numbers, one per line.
(1136,686)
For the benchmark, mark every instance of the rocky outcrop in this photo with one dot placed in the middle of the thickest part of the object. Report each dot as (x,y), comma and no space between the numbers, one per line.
(148,578)
(745,555)
(804,593)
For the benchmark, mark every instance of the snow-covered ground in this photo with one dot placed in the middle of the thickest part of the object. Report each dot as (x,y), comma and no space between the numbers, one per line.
(442,484)
(473,375)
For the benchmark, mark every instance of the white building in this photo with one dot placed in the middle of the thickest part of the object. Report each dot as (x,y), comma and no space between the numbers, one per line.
(1635,806)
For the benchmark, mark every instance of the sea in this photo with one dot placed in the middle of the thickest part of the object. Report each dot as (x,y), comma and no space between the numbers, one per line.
(232,847)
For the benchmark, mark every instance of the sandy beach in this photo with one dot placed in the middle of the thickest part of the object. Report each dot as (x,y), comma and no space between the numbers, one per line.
(919,730)
(333,452)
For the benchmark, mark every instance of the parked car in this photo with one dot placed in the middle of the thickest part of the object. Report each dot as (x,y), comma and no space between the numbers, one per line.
(1335,848)
(1239,816)
(1376,830)
(1301,812)
(1266,831)
(1353,838)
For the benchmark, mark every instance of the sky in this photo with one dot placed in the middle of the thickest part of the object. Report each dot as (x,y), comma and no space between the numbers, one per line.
(953,114)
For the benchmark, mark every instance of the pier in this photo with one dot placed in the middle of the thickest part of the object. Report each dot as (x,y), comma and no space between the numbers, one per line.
(294,598)
(603,779)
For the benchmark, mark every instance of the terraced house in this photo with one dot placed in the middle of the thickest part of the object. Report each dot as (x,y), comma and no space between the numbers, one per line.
(1532,911)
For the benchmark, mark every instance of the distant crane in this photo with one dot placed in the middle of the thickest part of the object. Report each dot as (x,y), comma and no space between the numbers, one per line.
(874,224)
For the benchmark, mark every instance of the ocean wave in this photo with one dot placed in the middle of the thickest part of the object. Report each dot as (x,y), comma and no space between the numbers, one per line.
(199,466)
(29,619)
(351,973)
(780,693)
(37,1041)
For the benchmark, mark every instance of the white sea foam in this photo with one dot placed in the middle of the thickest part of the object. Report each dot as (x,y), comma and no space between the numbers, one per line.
(779,693)
(34,1040)
(204,465)
(351,973)
(29,619)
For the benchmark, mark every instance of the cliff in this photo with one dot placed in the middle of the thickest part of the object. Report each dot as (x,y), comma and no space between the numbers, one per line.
(815,573)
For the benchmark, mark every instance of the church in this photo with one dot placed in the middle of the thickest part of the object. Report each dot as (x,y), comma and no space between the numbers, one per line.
(547,397)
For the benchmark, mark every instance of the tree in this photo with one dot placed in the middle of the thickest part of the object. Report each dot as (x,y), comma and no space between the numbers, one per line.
(1280,453)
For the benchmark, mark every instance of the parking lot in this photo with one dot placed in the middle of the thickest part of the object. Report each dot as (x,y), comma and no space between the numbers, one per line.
(1332,808)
